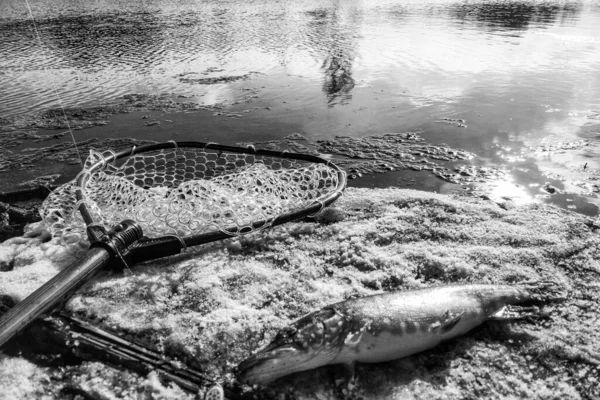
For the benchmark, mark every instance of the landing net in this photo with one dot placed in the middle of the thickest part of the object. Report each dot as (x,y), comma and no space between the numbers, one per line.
(187,191)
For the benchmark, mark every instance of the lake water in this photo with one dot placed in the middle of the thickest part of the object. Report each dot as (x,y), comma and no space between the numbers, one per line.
(517,83)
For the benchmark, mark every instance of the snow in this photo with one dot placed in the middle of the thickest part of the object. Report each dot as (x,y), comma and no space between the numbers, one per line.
(217,304)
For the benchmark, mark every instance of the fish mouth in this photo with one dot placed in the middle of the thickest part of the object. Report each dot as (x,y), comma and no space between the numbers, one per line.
(262,367)
(262,357)
(275,362)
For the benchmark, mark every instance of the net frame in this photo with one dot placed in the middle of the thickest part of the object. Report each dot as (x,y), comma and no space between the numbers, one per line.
(110,158)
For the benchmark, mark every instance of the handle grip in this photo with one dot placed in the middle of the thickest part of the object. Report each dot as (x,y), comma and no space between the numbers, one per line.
(57,289)
(104,248)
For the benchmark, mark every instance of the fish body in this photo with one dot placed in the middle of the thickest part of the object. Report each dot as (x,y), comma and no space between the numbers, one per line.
(378,328)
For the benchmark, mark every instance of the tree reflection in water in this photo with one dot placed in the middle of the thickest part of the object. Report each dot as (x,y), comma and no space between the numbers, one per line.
(513,15)
(339,26)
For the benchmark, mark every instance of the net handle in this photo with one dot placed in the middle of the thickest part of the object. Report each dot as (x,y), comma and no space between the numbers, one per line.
(66,282)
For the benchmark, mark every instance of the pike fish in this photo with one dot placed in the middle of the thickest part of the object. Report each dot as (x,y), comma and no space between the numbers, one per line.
(379,328)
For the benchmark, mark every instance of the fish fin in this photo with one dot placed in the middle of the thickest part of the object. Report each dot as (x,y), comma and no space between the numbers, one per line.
(545,292)
(346,388)
(349,371)
(446,325)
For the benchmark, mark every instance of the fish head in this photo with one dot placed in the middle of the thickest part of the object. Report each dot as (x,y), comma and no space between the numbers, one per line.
(308,343)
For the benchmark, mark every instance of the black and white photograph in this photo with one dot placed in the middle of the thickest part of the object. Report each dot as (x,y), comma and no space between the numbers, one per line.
(299,199)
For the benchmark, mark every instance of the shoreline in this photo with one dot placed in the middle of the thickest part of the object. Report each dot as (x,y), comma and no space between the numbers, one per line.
(213,306)
(41,147)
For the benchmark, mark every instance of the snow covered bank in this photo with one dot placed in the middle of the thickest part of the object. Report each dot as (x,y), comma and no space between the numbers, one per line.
(213,306)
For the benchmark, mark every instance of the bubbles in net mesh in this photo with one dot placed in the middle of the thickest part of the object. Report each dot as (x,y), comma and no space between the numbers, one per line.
(186,192)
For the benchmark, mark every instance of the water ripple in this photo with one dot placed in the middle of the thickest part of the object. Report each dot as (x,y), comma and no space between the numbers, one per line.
(104,49)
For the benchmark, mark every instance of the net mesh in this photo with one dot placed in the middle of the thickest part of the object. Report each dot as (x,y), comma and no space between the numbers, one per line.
(188,191)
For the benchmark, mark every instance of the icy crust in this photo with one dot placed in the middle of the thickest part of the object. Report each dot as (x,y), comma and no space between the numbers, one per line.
(21,379)
(214,306)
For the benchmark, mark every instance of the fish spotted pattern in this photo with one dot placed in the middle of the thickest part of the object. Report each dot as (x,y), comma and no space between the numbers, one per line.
(378,328)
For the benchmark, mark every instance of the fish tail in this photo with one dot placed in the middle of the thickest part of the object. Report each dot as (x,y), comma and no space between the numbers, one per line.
(533,291)
(498,296)
(545,291)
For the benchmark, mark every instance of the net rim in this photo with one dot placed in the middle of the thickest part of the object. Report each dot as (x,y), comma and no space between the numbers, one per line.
(192,240)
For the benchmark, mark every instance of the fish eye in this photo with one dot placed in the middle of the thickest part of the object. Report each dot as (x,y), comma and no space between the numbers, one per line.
(287,332)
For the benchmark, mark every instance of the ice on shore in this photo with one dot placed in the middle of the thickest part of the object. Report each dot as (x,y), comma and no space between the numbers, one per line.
(217,304)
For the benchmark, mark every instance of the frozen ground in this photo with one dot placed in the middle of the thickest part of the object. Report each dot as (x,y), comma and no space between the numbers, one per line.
(214,306)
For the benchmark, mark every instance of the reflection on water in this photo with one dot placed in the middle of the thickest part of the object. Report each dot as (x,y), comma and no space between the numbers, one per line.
(505,16)
(517,72)
(337,40)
